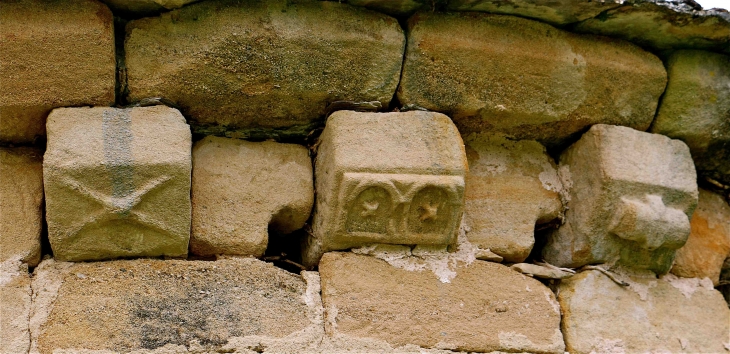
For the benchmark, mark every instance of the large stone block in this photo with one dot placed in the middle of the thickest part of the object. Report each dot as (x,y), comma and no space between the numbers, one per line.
(511,186)
(486,307)
(53,54)
(233,65)
(395,178)
(550,11)
(117,182)
(15,303)
(526,78)
(21,204)
(241,188)
(696,109)
(651,315)
(630,195)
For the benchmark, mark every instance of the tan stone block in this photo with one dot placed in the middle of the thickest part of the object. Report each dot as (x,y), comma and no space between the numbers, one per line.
(54,54)
(241,188)
(511,186)
(651,315)
(21,204)
(395,178)
(117,182)
(15,300)
(486,307)
(526,78)
(553,12)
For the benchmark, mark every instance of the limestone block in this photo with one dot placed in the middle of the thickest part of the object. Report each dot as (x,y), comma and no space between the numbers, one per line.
(117,183)
(696,109)
(15,299)
(511,186)
(268,64)
(526,78)
(486,307)
(394,178)
(708,244)
(21,204)
(630,195)
(553,12)
(53,54)
(651,315)
(240,188)
(145,7)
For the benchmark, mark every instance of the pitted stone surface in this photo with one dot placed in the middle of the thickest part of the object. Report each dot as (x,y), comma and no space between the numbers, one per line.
(21,204)
(268,64)
(240,188)
(630,195)
(15,300)
(395,178)
(117,183)
(53,54)
(511,186)
(526,78)
(486,307)
(553,12)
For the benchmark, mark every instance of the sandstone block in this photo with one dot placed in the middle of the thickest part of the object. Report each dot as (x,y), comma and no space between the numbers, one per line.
(525,78)
(696,109)
(511,186)
(553,12)
(630,195)
(241,188)
(15,300)
(117,182)
(53,54)
(394,178)
(21,204)
(649,316)
(268,64)
(486,307)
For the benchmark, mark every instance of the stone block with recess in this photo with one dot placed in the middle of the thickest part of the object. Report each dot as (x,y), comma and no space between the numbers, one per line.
(669,315)
(486,307)
(265,64)
(15,303)
(395,178)
(553,12)
(21,204)
(696,109)
(241,188)
(708,245)
(117,183)
(53,54)
(525,78)
(511,186)
(629,196)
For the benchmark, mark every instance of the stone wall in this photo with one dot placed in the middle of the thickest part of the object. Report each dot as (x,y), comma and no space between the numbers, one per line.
(364,176)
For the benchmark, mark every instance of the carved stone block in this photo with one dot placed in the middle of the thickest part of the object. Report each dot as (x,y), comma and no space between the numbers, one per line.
(394,178)
(629,195)
(117,183)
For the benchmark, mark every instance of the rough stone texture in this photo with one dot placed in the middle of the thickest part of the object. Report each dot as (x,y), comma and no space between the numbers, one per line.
(145,7)
(394,7)
(121,306)
(539,271)
(240,188)
(696,109)
(526,78)
(629,196)
(708,244)
(117,182)
(265,64)
(53,54)
(21,204)
(486,307)
(15,299)
(395,178)
(550,11)
(649,316)
(511,186)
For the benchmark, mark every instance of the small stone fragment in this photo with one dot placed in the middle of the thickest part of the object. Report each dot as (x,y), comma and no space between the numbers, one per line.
(15,300)
(550,11)
(540,271)
(488,255)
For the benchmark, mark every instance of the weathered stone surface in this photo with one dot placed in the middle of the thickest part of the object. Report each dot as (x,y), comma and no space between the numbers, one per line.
(696,109)
(240,188)
(651,315)
(486,307)
(395,178)
(550,11)
(117,182)
(15,299)
(21,204)
(393,7)
(539,271)
(53,54)
(525,78)
(145,7)
(511,186)
(268,64)
(630,195)
(708,244)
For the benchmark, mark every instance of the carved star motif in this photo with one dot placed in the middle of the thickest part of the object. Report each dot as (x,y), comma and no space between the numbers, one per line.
(429,211)
(370,208)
